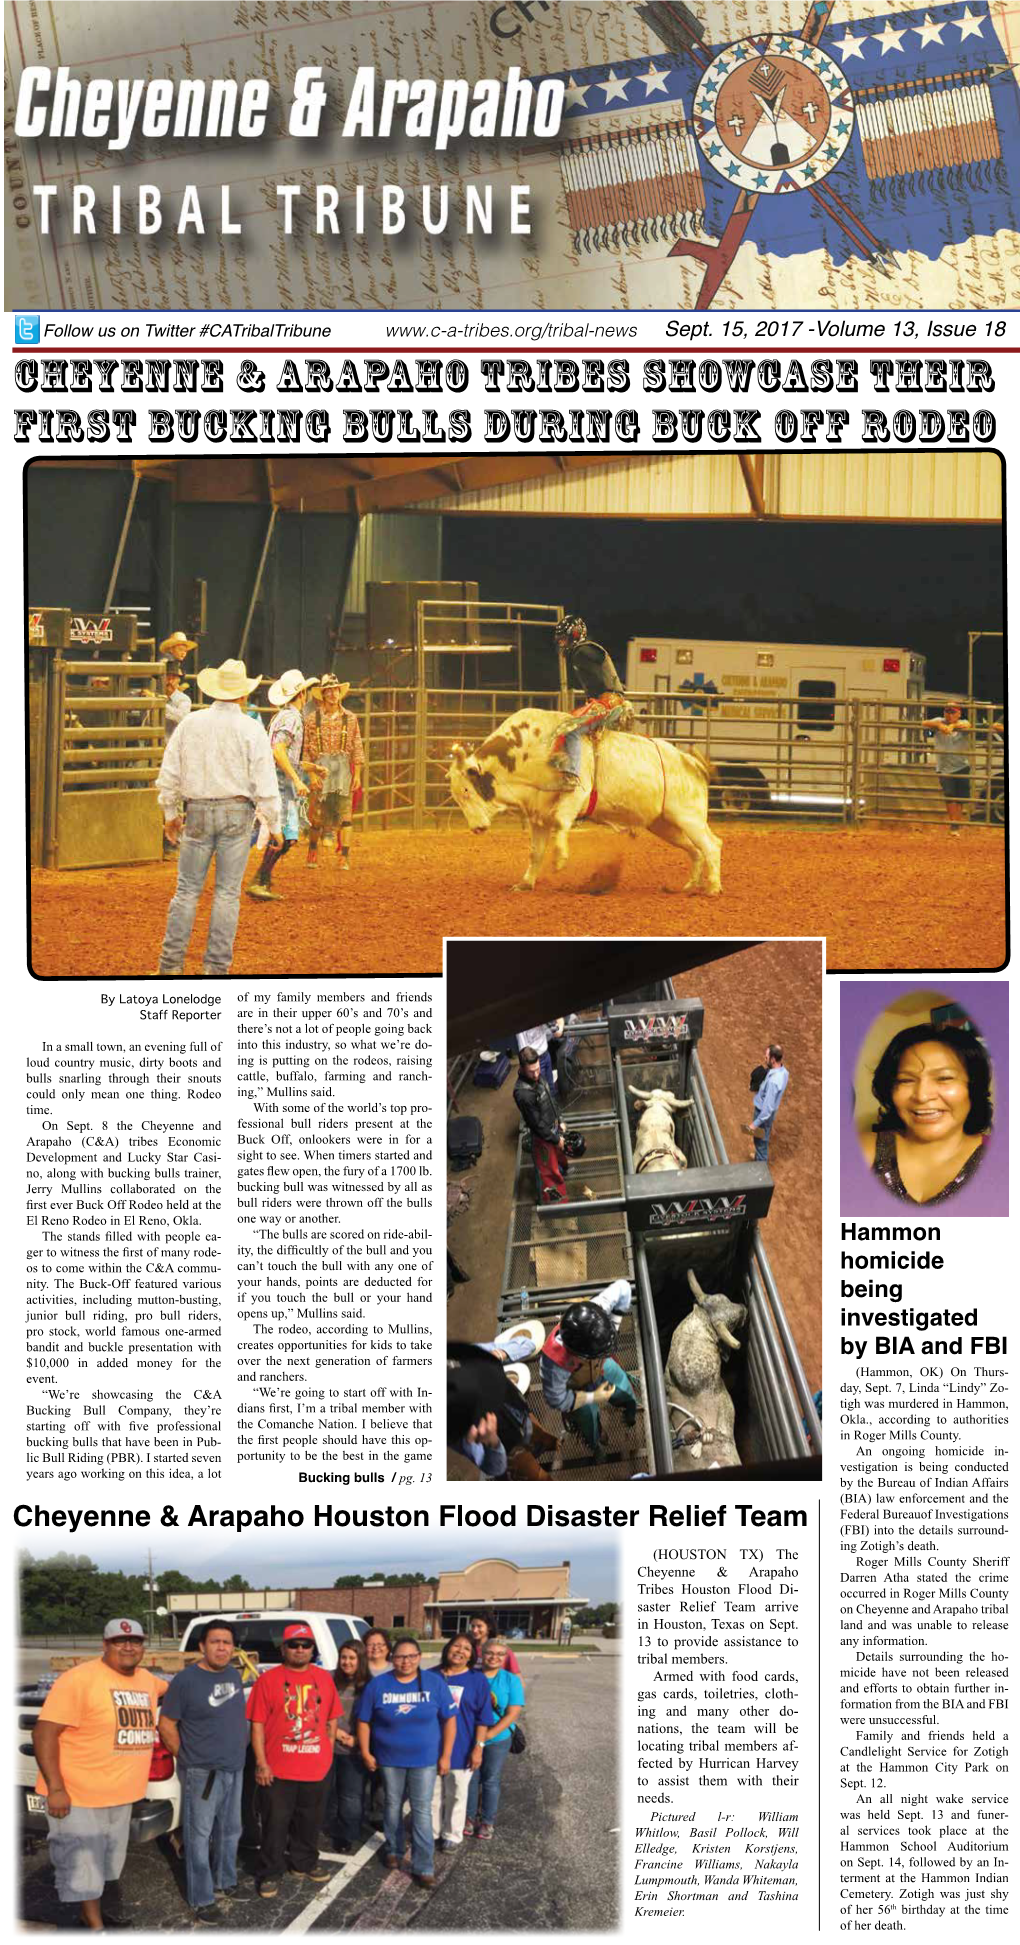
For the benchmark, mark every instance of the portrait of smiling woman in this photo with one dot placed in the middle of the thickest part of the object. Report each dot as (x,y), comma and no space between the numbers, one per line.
(932,1085)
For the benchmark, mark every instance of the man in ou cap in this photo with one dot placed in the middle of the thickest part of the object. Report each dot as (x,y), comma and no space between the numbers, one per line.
(94,1739)
(294,1712)
(218,761)
(203,1722)
(286,737)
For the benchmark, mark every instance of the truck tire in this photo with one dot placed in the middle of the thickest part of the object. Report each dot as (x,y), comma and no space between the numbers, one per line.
(997,801)
(739,790)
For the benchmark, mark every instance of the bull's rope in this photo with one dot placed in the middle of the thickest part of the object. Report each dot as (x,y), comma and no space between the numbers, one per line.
(654,1155)
(662,767)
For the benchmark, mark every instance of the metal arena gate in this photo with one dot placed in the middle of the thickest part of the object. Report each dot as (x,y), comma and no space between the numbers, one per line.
(96,735)
(651,1229)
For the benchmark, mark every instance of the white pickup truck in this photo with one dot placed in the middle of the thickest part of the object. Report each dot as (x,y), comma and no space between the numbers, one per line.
(258,1633)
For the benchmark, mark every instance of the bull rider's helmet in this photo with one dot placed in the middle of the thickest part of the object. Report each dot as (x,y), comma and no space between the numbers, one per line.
(572,630)
(586,1330)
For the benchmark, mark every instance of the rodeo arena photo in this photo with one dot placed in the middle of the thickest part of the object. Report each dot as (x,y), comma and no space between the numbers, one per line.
(613,1311)
(274,703)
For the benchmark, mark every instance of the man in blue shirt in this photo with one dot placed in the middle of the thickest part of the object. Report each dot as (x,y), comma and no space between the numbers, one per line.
(766,1102)
(203,1723)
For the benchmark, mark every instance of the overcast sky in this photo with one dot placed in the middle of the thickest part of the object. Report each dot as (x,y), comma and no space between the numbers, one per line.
(308,1560)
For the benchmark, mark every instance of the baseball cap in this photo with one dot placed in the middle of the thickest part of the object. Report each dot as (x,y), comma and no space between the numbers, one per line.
(299,1631)
(123,1629)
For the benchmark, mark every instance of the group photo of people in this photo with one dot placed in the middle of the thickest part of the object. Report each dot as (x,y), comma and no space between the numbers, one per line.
(229,1758)
(700,1089)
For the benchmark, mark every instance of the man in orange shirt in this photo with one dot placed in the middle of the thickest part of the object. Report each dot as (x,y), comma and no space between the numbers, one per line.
(93,1743)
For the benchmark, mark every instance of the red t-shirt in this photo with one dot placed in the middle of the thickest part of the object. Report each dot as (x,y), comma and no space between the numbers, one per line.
(295,1706)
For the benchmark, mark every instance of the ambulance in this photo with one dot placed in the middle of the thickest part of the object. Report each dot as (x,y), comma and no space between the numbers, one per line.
(774,716)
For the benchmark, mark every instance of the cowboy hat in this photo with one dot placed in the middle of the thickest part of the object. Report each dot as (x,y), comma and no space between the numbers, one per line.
(228,683)
(334,682)
(176,645)
(533,1327)
(518,1375)
(290,684)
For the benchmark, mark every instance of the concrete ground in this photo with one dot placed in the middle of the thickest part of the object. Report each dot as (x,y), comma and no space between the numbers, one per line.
(552,1866)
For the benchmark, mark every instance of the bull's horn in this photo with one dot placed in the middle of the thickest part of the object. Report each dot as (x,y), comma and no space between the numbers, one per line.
(699,1294)
(726,1337)
(640,1093)
(458,754)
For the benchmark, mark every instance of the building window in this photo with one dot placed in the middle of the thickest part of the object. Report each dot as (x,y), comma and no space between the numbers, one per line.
(398,1621)
(370,1618)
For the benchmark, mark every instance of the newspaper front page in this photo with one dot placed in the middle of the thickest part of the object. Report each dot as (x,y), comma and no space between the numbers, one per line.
(508,504)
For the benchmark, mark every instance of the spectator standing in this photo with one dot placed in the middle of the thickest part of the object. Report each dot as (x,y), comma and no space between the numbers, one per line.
(470,1691)
(217,762)
(94,1739)
(406,1728)
(766,1101)
(293,1711)
(507,1693)
(203,1723)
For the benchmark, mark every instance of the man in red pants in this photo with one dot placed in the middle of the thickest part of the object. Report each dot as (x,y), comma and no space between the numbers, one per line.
(534,1098)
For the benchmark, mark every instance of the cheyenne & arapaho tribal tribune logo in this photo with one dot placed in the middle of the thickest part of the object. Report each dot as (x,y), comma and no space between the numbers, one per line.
(772,113)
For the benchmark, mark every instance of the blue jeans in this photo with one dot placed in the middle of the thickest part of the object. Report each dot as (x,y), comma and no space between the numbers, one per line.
(349,1779)
(212,1831)
(220,828)
(417,1785)
(761,1138)
(487,1781)
(585,1418)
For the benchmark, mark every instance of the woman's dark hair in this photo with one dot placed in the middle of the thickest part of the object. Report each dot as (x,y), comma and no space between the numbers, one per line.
(967,1047)
(383,1636)
(361,1674)
(460,1635)
(407,1641)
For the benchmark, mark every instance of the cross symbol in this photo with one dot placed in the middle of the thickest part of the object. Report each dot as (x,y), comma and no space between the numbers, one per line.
(811,111)
(736,122)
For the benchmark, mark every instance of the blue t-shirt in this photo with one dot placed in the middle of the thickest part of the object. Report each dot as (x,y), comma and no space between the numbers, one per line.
(473,1703)
(506,1692)
(209,1709)
(405,1717)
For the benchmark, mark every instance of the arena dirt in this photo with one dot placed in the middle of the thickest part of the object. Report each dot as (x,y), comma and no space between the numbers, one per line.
(887,900)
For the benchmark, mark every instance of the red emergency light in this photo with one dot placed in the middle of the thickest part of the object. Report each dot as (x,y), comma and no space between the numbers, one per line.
(891,665)
(649,655)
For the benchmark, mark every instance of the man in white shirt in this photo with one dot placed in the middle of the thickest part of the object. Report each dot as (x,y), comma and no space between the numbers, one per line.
(218,762)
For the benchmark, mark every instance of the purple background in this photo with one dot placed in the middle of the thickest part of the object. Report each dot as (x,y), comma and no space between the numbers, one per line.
(860,1192)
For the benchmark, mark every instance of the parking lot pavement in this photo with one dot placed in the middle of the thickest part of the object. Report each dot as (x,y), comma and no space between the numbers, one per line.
(552,1865)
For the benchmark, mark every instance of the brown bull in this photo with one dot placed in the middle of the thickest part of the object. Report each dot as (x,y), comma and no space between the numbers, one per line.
(639,784)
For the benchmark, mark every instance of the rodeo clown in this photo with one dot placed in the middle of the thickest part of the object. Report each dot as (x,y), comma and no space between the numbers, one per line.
(589,667)
(583,1336)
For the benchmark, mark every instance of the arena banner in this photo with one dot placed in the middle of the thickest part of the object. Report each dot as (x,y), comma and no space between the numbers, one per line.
(412,157)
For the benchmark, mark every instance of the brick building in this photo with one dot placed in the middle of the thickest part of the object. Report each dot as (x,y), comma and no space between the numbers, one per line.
(534,1601)
(383,1607)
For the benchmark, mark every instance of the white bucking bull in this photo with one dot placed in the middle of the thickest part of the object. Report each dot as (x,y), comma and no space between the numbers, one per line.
(655,1145)
(700,1407)
(640,783)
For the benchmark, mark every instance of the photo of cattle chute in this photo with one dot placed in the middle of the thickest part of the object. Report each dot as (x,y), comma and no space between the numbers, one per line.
(627,1218)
